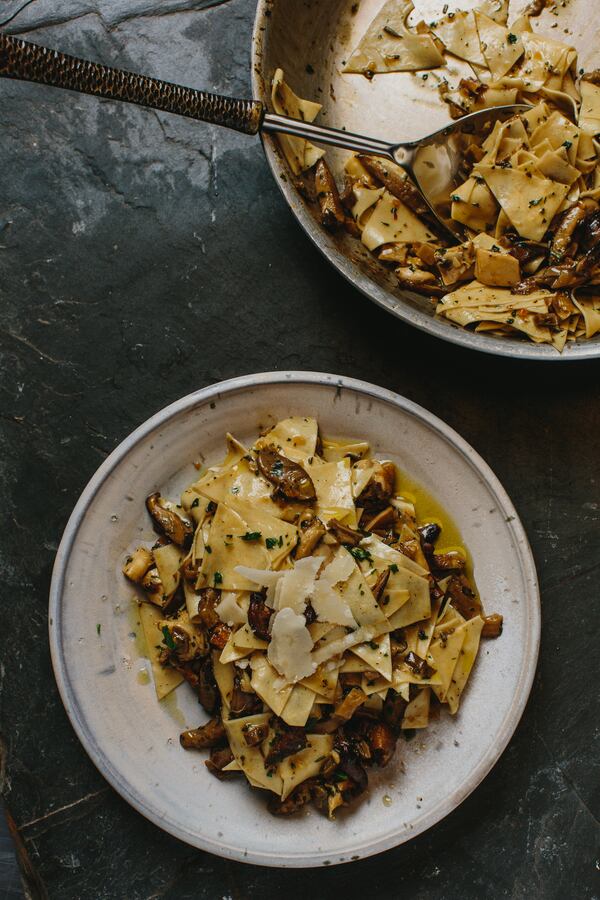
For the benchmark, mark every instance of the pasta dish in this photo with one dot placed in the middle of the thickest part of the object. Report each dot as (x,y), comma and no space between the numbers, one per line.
(296,591)
(527,206)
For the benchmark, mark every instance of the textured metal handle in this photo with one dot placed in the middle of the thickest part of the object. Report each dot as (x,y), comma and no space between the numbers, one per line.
(30,62)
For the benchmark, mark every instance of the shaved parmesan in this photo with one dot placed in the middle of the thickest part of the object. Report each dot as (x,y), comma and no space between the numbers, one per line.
(228,609)
(290,646)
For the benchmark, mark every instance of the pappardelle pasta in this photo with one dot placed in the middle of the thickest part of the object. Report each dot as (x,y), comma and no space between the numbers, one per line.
(528,204)
(297,592)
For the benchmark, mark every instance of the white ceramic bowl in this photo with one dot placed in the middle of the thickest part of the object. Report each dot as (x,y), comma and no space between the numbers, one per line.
(133,740)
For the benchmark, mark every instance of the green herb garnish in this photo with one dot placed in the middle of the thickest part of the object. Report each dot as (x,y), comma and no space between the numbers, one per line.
(251,536)
(168,638)
(512,38)
(218,578)
(359,553)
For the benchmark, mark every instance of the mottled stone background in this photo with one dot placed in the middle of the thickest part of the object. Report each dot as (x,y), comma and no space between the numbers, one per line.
(141,257)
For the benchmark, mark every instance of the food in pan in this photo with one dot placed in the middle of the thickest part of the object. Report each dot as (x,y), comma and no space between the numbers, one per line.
(297,591)
(528,203)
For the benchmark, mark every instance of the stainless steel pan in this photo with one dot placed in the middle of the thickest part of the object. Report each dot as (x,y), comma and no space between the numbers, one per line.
(309,39)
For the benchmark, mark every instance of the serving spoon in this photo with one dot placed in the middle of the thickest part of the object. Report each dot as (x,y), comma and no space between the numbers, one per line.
(434,162)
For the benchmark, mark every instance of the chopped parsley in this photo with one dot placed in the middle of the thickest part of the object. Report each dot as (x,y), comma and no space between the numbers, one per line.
(455,198)
(394,568)
(168,638)
(271,542)
(251,536)
(218,578)
(98,629)
(359,553)
(568,144)
(535,202)
(512,38)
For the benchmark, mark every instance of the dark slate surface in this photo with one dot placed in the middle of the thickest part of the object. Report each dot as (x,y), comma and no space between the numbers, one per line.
(142,257)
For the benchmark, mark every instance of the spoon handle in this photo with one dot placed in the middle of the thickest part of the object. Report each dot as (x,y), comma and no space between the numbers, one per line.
(322,134)
(30,62)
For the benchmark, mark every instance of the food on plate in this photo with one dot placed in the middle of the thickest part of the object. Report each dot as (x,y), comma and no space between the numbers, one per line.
(317,618)
(528,202)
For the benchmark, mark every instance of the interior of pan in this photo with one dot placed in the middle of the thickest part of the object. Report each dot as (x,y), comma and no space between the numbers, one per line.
(310,40)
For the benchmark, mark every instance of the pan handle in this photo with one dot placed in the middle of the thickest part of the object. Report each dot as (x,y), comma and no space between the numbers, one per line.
(29,62)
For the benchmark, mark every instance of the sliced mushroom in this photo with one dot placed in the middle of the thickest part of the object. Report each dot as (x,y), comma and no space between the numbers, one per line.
(343,534)
(184,643)
(137,565)
(311,532)
(394,706)
(590,230)
(207,616)
(208,692)
(255,734)
(492,626)
(351,702)
(168,522)
(463,597)
(299,797)
(394,253)
(430,532)
(380,585)
(219,758)
(410,276)
(290,479)
(382,520)
(382,742)
(397,182)
(153,586)
(189,570)
(380,488)
(564,232)
(259,616)
(288,740)
(594,76)
(244,703)
(452,561)
(408,548)
(418,665)
(219,635)
(210,735)
(332,211)
(456,263)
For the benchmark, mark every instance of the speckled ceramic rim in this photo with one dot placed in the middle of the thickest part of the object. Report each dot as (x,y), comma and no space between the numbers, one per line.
(216,392)
(515,349)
